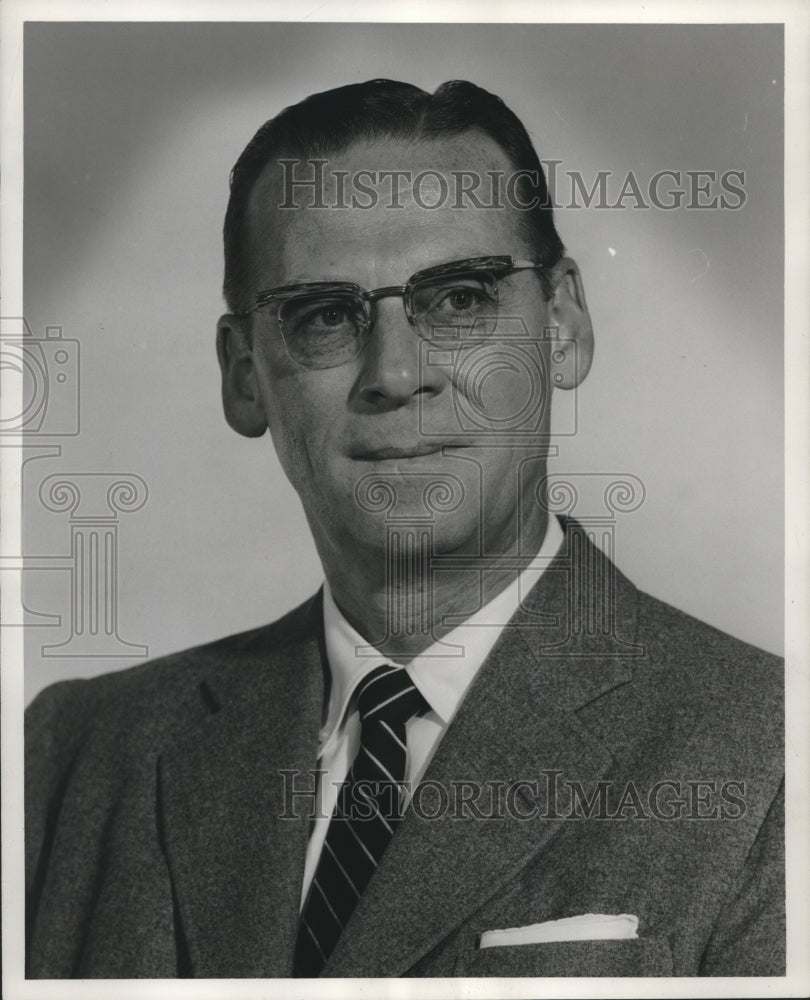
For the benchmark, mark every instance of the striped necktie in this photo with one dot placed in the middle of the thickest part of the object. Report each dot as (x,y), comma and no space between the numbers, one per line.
(367,812)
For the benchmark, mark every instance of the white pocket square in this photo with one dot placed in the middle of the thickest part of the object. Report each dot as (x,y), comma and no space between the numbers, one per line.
(588,927)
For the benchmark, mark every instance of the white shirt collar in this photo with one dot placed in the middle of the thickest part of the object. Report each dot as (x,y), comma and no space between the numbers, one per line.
(442,673)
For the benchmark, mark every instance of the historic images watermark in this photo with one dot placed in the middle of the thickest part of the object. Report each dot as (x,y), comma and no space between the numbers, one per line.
(665,189)
(548,796)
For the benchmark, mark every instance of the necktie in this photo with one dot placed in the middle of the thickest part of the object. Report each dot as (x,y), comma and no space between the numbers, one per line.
(367,812)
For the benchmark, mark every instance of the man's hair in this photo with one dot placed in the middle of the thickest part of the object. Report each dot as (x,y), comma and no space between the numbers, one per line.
(327,123)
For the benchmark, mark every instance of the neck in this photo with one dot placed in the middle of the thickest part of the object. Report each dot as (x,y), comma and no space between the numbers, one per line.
(402,599)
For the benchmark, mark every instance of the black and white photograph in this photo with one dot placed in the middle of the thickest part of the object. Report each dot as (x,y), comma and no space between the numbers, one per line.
(398,427)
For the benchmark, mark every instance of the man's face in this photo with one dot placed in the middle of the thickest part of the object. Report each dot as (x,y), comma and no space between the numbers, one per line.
(403,413)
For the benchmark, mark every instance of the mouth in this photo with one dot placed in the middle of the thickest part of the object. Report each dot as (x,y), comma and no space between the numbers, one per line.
(397,452)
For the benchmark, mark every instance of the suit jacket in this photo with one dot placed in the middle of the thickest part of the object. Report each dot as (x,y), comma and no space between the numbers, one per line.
(157,843)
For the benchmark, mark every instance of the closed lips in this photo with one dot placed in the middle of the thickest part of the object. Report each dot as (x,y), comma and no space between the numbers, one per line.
(391,452)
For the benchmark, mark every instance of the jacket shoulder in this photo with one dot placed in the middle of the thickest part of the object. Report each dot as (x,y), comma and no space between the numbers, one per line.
(678,636)
(708,687)
(154,695)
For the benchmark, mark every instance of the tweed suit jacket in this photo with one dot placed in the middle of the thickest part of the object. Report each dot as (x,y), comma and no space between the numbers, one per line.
(160,841)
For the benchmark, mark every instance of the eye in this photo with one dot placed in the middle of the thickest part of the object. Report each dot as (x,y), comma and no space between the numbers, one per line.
(462,298)
(458,298)
(319,317)
(332,316)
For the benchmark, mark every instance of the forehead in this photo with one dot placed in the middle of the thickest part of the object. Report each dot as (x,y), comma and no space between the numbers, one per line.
(379,211)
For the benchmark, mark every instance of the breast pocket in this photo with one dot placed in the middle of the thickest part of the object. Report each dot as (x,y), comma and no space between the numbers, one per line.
(633,957)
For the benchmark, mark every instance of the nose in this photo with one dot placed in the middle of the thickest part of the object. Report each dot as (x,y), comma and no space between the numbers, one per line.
(393,370)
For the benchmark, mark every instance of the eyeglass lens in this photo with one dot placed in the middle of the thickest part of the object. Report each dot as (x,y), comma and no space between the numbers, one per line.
(324,329)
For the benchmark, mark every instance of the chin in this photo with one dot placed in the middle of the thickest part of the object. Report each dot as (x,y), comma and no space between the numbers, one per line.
(411,535)
(431,509)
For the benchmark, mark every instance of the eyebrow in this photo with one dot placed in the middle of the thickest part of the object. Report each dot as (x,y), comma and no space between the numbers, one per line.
(459,257)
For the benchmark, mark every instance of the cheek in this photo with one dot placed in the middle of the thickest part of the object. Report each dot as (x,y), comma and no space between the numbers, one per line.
(304,421)
(504,387)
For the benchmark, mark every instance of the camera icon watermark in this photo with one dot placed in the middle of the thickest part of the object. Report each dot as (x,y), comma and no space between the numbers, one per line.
(40,403)
(502,380)
(49,368)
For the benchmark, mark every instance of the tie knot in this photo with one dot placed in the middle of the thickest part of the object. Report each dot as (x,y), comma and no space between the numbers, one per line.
(389,695)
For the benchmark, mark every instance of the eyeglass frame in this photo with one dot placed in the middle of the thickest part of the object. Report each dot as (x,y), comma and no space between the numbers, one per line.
(499,263)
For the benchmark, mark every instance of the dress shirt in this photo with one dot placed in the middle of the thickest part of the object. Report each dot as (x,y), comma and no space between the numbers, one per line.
(443,673)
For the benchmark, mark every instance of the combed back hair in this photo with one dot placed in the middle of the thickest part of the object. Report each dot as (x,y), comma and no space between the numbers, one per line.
(327,123)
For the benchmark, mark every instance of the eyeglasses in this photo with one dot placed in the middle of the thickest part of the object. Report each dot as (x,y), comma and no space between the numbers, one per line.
(325,324)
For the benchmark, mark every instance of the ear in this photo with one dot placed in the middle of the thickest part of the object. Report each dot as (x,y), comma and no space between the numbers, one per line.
(572,346)
(240,392)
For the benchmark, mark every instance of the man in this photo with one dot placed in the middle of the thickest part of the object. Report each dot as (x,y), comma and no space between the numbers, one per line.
(479,750)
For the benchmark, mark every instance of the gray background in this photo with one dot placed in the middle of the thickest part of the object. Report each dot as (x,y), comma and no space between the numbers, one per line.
(130,132)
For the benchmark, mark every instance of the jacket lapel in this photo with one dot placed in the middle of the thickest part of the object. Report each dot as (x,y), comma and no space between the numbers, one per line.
(517,722)
(236,865)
